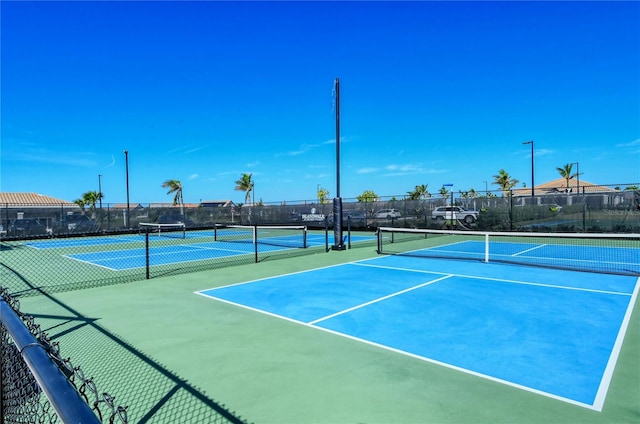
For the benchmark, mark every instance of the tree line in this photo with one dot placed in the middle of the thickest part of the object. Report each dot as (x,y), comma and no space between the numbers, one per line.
(246,184)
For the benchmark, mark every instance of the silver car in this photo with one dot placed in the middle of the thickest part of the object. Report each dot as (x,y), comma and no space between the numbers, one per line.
(457,213)
(387,213)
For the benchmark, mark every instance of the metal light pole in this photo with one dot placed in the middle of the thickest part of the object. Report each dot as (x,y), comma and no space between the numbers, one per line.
(338,243)
(533,184)
(100,193)
(577,174)
(126,162)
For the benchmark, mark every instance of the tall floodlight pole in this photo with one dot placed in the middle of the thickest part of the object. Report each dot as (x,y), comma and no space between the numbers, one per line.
(100,193)
(577,174)
(126,164)
(338,243)
(533,184)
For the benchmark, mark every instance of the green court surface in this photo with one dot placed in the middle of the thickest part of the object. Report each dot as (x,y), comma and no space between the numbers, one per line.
(173,356)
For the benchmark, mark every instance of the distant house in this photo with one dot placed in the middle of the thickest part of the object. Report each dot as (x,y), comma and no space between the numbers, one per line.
(216,203)
(560,186)
(33,200)
(171,205)
(121,206)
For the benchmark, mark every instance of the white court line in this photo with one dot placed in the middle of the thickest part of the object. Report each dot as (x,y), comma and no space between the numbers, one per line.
(529,250)
(380,299)
(601,395)
(389,348)
(500,280)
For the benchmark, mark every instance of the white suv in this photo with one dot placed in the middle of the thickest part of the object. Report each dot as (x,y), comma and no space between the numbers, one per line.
(387,213)
(454,212)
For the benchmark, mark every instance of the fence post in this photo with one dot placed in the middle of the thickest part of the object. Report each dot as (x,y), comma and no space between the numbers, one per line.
(146,251)
(326,233)
(255,240)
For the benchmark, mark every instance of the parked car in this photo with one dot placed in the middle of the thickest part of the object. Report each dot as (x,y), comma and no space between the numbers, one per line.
(355,214)
(75,224)
(387,213)
(454,212)
(175,219)
(27,227)
(357,219)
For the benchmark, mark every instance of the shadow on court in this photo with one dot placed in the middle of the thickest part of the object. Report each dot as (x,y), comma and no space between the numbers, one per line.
(150,391)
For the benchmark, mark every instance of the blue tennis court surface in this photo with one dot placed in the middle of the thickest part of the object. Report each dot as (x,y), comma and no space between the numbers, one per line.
(84,241)
(554,333)
(539,251)
(625,260)
(163,255)
(177,252)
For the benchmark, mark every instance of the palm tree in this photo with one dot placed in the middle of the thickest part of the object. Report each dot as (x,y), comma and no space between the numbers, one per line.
(504,180)
(91,198)
(175,186)
(80,203)
(420,192)
(245,184)
(565,172)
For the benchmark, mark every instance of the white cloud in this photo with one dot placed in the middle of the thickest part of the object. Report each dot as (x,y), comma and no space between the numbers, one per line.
(366,170)
(634,143)
(113,162)
(184,150)
(410,169)
(542,152)
(308,147)
(193,176)
(44,155)
(633,146)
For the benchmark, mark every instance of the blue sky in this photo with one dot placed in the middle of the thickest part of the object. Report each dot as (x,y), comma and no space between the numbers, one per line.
(431,93)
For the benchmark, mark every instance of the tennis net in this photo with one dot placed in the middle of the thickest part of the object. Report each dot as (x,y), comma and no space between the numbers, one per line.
(164,230)
(603,253)
(292,236)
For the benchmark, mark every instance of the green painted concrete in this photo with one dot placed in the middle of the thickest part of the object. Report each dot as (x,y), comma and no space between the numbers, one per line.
(173,357)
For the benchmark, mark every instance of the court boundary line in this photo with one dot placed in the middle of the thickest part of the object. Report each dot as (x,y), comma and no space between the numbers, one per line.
(392,349)
(62,240)
(540,246)
(607,375)
(200,249)
(380,299)
(82,261)
(554,286)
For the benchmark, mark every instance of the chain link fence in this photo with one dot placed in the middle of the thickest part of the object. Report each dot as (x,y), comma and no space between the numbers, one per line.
(37,384)
(598,209)
(54,249)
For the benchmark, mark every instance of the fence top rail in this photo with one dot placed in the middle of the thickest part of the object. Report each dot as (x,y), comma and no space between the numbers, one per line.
(64,397)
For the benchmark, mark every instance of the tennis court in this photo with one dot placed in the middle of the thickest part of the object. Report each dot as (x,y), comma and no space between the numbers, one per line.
(555,333)
(185,247)
(408,336)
